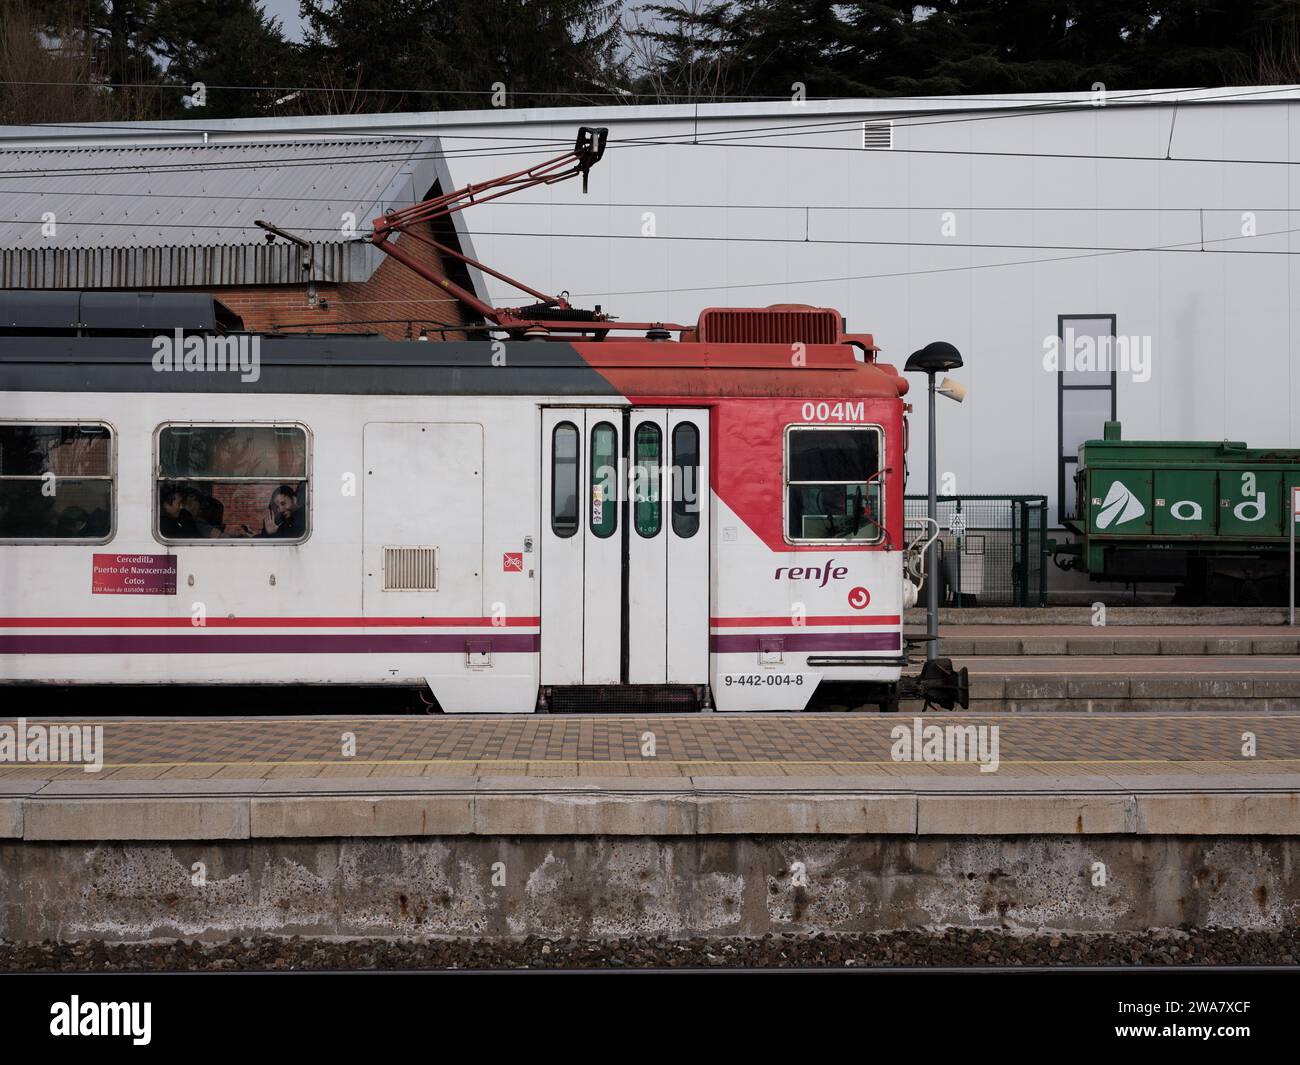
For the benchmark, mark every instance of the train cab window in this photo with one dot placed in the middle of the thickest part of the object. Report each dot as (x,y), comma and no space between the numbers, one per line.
(564,480)
(604,480)
(232,482)
(686,480)
(56,482)
(647,463)
(830,494)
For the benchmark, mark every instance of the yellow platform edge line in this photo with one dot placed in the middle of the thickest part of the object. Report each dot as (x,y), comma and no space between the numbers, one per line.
(648,761)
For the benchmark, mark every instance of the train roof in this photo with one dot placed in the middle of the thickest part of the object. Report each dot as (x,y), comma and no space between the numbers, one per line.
(82,342)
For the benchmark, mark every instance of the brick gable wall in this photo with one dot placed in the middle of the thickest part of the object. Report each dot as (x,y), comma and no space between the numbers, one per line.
(392,292)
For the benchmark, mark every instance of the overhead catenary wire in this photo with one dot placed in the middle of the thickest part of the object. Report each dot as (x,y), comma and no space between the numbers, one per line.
(907,116)
(1083,98)
(1190,246)
(220,168)
(723,138)
(592,203)
(725,240)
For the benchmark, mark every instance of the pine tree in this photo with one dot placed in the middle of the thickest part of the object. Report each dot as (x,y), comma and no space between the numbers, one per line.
(222,44)
(445,54)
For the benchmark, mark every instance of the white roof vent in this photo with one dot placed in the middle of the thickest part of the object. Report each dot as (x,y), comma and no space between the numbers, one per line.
(878,136)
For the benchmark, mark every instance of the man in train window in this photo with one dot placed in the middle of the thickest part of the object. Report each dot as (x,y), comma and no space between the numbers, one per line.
(207,514)
(174,521)
(75,523)
(285,518)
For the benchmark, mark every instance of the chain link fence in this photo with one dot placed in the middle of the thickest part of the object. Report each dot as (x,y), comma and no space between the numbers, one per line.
(992,549)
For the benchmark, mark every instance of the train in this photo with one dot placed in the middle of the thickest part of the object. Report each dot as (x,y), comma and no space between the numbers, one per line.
(1208,517)
(506,526)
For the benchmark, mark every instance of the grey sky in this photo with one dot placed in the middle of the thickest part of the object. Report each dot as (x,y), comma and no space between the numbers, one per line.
(287,12)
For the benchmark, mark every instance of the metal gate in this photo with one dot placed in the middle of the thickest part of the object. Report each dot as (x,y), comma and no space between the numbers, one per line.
(992,549)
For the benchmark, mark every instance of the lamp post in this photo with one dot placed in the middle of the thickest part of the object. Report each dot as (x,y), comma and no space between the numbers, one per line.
(930,360)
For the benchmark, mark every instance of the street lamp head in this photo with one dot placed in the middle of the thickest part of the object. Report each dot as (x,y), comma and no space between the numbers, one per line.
(934,358)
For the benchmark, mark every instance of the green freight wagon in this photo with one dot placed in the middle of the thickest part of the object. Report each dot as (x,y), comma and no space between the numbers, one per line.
(1210,516)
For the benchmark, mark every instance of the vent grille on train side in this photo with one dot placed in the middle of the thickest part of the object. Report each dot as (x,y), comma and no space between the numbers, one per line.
(410,569)
(769,325)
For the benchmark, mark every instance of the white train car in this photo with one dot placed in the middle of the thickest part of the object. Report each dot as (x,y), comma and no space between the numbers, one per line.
(715,522)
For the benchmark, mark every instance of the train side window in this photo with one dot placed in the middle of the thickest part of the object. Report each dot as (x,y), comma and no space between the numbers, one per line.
(56,482)
(232,482)
(831,494)
(604,480)
(647,463)
(564,480)
(686,480)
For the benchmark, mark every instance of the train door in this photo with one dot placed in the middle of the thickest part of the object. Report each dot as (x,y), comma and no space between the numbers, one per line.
(668,548)
(687,531)
(582,552)
(625,546)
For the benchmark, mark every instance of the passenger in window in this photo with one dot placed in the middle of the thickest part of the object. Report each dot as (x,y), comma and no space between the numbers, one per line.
(75,523)
(207,513)
(285,518)
(174,521)
(26,514)
(192,504)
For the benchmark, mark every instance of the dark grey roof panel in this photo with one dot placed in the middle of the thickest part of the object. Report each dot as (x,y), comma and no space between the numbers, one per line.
(39,310)
(142,312)
(306,365)
(156,312)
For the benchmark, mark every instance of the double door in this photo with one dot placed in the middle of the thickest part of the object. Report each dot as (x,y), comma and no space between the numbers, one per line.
(625,545)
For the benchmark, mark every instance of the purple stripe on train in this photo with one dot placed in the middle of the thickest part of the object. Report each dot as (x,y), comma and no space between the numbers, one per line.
(806,641)
(295,643)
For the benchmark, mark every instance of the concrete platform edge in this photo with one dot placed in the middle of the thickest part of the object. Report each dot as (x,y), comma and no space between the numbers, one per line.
(700,806)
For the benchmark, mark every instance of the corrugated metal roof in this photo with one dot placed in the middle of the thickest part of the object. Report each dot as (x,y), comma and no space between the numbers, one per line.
(164,216)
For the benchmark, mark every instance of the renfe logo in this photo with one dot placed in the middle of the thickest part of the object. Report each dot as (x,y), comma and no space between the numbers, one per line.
(829,572)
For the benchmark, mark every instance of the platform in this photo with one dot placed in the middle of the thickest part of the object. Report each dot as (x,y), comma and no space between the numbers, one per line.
(1132,640)
(235,777)
(1186,665)
(733,826)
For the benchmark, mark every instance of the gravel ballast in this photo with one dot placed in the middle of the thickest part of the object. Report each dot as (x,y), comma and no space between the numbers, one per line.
(953,947)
